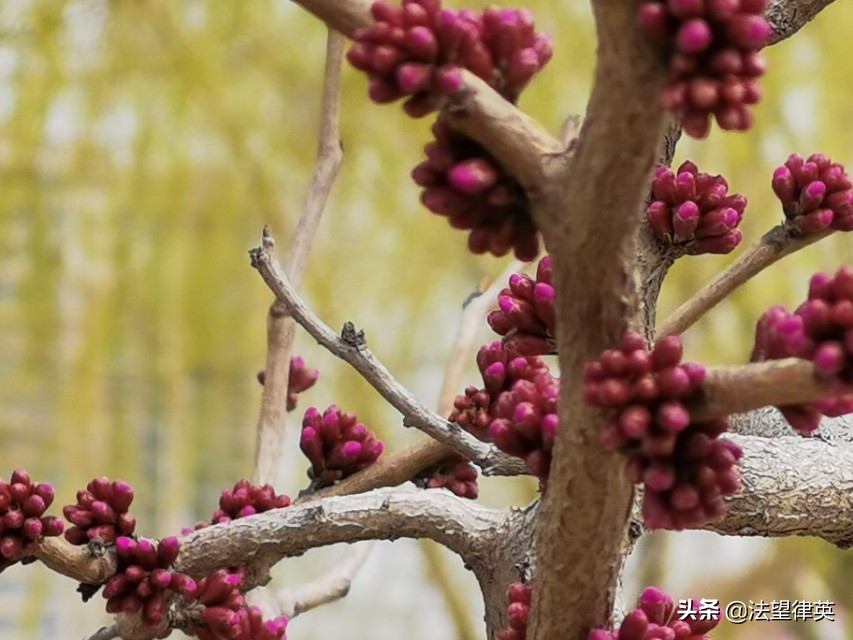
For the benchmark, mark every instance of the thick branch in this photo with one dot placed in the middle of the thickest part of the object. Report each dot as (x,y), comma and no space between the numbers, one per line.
(589,225)
(384,514)
(351,349)
(773,246)
(280,328)
(792,486)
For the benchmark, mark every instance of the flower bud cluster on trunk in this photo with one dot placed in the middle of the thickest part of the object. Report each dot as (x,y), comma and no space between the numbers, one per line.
(685,468)
(714,62)
(695,211)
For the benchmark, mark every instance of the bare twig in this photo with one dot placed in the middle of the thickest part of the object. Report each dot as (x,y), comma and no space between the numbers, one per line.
(105,633)
(334,585)
(773,246)
(271,422)
(454,597)
(350,347)
(469,326)
(789,16)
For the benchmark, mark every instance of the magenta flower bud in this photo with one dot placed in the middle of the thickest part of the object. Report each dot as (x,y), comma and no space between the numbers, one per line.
(667,352)
(717,244)
(685,186)
(19,492)
(13,520)
(634,626)
(673,416)
(33,506)
(685,9)
(413,77)
(448,80)
(673,382)
(167,551)
(718,222)
(694,36)
(656,604)
(32,528)
(652,18)
(635,421)
(660,219)
(422,43)
(816,221)
(473,176)
(749,32)
(812,195)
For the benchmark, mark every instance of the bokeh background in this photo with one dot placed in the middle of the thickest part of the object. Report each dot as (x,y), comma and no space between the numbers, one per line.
(144,144)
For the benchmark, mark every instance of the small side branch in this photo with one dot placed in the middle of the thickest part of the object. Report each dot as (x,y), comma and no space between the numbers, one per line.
(773,246)
(513,137)
(105,633)
(332,586)
(789,16)
(742,388)
(280,329)
(351,349)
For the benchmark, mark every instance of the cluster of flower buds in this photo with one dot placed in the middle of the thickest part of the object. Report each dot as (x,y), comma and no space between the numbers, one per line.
(525,316)
(22,520)
(517,409)
(655,619)
(820,330)
(301,378)
(463,183)
(246,499)
(695,210)
(816,194)
(219,612)
(101,512)
(143,580)
(519,595)
(473,410)
(685,467)
(714,58)
(337,445)
(455,474)
(417,50)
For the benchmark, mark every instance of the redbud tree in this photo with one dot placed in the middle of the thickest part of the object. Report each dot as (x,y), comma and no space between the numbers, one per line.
(623,434)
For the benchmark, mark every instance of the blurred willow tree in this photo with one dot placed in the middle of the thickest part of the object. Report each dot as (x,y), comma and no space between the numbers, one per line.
(143,145)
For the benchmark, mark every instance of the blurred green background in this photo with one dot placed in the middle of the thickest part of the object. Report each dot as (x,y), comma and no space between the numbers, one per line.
(144,144)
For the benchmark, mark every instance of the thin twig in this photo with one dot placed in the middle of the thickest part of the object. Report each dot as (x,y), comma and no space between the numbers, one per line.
(351,348)
(332,586)
(469,326)
(105,633)
(773,246)
(280,328)
(454,597)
